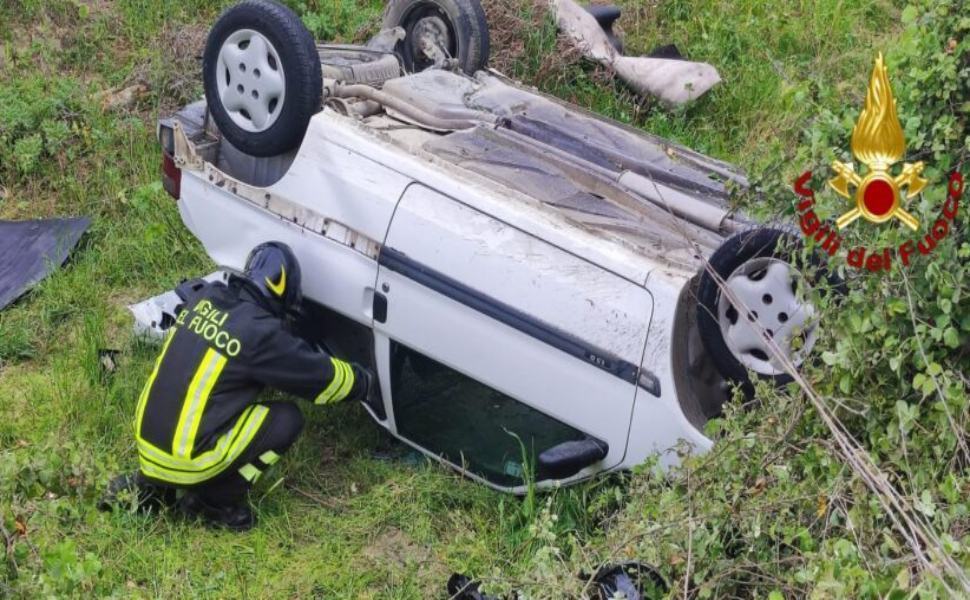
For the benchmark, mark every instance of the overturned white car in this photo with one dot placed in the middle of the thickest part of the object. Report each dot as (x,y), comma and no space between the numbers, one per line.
(526,279)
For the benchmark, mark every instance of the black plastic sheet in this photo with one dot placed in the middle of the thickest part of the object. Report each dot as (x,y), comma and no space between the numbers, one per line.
(31,250)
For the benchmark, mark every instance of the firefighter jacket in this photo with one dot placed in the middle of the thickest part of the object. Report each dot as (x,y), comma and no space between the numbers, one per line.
(198,410)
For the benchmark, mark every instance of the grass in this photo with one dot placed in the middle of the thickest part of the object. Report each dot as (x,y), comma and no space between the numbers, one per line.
(335,521)
(780,63)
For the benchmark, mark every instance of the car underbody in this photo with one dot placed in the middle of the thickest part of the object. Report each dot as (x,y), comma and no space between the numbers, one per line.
(660,198)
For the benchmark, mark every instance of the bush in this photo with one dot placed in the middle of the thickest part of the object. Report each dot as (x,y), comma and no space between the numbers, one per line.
(774,510)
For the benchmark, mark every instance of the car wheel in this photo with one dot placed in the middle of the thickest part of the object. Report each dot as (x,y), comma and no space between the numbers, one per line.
(262,77)
(762,269)
(437,29)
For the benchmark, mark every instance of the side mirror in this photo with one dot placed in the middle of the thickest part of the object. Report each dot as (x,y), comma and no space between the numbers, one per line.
(568,458)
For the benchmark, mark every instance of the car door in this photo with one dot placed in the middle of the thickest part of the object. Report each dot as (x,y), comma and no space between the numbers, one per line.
(494,345)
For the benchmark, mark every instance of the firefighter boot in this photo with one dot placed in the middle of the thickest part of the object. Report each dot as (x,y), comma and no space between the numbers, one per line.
(149,496)
(236,516)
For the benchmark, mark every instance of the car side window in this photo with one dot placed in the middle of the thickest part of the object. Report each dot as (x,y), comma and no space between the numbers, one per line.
(467,422)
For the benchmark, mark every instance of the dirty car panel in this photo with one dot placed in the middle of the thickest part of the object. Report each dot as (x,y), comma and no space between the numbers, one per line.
(486,287)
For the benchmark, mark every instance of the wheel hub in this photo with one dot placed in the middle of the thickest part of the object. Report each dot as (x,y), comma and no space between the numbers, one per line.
(250,80)
(430,39)
(771,294)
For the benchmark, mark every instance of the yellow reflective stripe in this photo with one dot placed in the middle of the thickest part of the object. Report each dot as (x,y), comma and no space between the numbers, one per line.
(343,382)
(269,457)
(255,421)
(249,473)
(197,416)
(338,379)
(163,475)
(176,477)
(143,399)
(202,462)
(251,424)
(210,368)
(190,402)
(347,386)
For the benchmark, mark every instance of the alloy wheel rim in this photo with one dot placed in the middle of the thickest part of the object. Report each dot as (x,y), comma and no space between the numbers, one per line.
(773,292)
(250,80)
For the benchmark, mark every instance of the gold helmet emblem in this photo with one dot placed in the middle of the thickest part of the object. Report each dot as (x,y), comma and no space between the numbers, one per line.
(878,143)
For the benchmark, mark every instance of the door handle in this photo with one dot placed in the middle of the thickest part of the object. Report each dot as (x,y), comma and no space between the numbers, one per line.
(380,307)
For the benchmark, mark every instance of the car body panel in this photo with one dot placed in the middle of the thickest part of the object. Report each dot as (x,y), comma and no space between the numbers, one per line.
(663,425)
(496,263)
(229,227)
(521,270)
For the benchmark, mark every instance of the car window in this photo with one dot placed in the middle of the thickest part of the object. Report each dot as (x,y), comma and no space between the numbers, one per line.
(466,422)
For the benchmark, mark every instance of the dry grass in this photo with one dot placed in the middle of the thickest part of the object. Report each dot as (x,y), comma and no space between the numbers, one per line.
(174,75)
(515,27)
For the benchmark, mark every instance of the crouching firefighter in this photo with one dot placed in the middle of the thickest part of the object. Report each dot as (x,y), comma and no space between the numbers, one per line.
(203,437)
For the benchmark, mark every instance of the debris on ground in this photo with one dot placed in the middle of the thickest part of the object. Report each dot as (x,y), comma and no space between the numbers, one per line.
(108,357)
(154,316)
(31,250)
(461,587)
(629,581)
(672,81)
(123,98)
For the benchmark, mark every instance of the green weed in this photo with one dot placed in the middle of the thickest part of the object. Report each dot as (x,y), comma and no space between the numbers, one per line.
(335,522)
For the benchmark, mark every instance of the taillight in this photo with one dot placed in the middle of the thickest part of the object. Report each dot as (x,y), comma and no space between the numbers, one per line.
(171,175)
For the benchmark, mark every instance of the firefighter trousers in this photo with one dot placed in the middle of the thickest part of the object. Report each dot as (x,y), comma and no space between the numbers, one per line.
(279,430)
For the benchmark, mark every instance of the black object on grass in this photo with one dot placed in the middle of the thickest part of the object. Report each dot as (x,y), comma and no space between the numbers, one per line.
(31,250)
(461,587)
(629,580)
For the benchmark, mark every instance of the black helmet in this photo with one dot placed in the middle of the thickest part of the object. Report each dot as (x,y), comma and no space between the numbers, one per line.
(274,269)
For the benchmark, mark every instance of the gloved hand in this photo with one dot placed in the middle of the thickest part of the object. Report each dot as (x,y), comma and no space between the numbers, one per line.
(364,380)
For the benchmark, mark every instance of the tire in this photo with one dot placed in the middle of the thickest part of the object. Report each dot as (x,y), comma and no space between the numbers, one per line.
(739,261)
(465,24)
(290,80)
